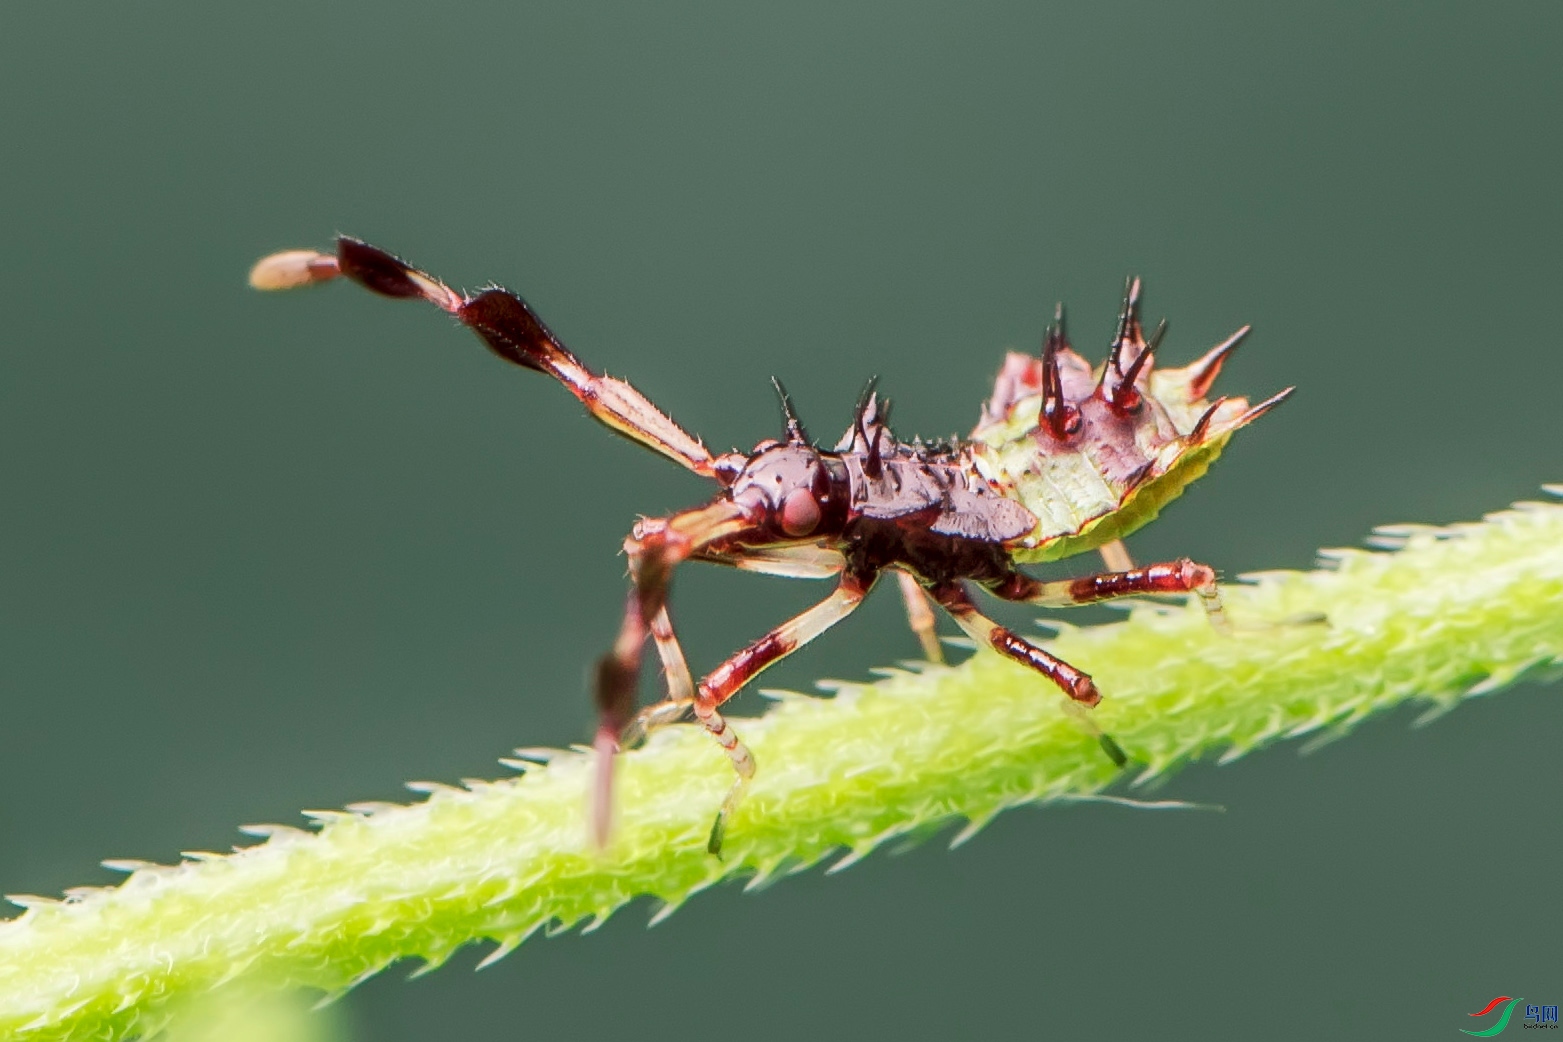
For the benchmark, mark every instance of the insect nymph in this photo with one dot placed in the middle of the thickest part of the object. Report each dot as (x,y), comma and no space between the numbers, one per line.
(1066,458)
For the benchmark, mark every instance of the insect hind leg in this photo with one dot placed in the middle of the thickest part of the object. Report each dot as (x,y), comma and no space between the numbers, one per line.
(1080,690)
(1168,577)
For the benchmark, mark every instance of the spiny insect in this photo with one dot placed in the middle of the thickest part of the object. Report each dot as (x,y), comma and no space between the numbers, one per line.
(1065,458)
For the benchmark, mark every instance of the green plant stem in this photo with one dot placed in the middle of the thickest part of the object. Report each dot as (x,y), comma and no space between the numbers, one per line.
(1458,611)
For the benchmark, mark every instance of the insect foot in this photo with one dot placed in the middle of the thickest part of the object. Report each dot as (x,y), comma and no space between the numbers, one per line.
(743,763)
(1067,457)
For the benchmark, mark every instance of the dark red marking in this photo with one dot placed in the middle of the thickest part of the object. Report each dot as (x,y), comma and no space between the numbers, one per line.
(1061,415)
(511,329)
(726,680)
(1203,373)
(615,692)
(1016,586)
(833,493)
(1491,1006)
(373,268)
(1075,684)
(1125,395)
(1179,576)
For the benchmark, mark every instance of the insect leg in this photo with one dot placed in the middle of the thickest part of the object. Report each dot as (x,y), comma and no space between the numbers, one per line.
(1116,556)
(509,327)
(681,685)
(920,617)
(614,694)
(1180,576)
(729,678)
(655,548)
(797,562)
(953,598)
(1079,687)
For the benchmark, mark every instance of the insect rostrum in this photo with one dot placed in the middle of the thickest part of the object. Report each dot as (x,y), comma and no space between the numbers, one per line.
(1065,458)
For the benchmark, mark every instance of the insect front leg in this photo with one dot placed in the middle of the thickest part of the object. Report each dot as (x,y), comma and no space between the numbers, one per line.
(798,562)
(655,548)
(729,678)
(1180,576)
(614,693)
(1079,688)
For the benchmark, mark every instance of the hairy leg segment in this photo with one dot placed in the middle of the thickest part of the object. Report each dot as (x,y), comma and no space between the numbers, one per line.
(1181,576)
(919,615)
(1170,577)
(1079,689)
(730,677)
(510,328)
(718,686)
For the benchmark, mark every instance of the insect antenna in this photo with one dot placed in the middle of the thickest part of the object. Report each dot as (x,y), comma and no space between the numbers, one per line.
(796,435)
(1203,372)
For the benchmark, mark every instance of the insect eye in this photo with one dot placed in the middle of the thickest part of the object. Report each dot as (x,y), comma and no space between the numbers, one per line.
(800,512)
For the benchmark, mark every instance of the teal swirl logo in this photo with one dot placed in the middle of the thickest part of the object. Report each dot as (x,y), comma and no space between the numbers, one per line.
(1502,1021)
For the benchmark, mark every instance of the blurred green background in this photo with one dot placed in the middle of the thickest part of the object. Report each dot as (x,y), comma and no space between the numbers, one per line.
(268,553)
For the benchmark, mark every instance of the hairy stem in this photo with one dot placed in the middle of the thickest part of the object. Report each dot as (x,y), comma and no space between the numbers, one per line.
(1457,611)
